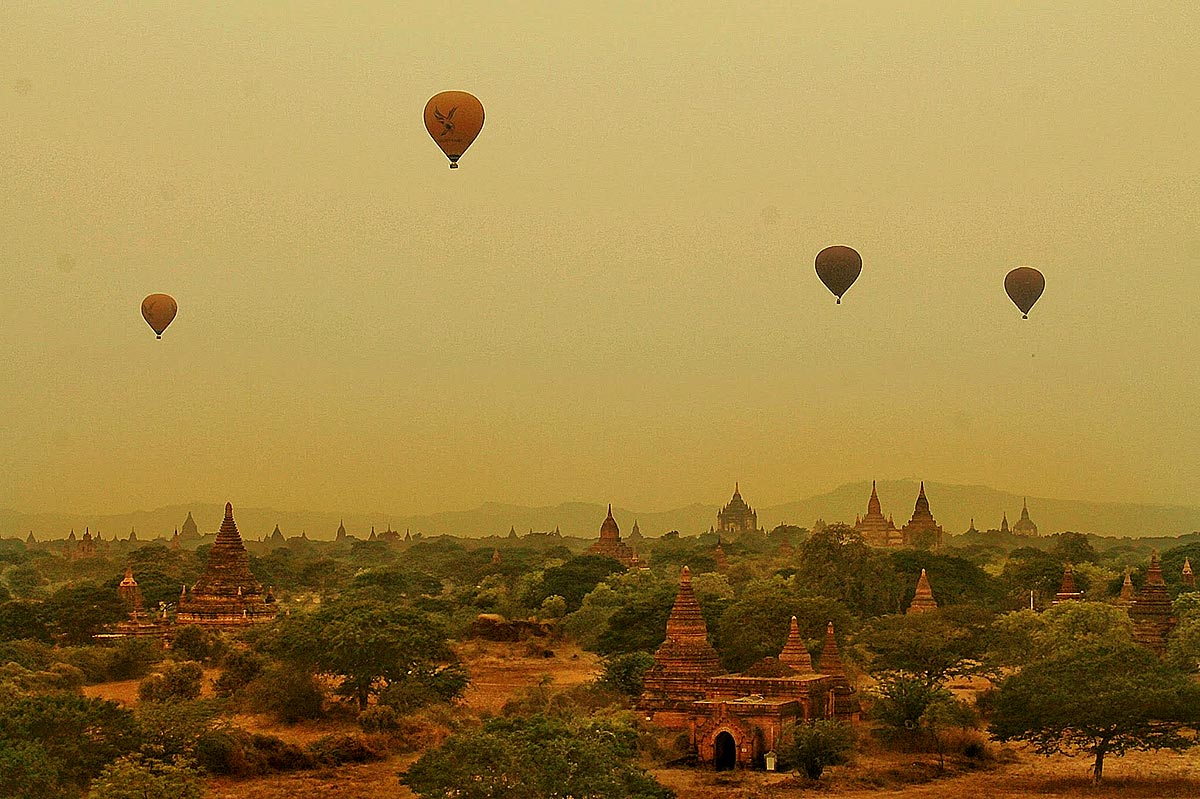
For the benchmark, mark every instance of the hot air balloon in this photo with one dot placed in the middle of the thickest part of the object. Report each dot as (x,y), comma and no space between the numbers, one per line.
(158,311)
(838,267)
(453,119)
(1024,285)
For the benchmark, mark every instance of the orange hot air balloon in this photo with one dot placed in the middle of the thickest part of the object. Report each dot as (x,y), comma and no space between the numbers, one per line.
(453,119)
(1024,285)
(838,267)
(158,310)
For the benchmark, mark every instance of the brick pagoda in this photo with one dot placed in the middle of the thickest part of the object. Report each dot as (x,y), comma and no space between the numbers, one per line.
(923,600)
(227,593)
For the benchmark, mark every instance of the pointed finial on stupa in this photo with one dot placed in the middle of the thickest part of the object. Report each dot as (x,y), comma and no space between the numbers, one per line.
(794,653)
(229,510)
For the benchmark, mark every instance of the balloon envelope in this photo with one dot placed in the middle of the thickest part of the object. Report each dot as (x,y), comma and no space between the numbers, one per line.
(158,310)
(838,267)
(1024,285)
(453,119)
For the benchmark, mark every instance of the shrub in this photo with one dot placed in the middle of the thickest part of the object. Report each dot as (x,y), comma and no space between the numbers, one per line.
(176,681)
(192,642)
(626,673)
(133,777)
(378,718)
(241,667)
(291,695)
(334,750)
(815,745)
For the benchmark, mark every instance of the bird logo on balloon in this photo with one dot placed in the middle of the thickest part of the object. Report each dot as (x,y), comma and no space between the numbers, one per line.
(446,120)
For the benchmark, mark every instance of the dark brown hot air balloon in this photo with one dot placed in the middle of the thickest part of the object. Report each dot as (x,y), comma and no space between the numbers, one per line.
(158,310)
(453,119)
(1024,285)
(838,267)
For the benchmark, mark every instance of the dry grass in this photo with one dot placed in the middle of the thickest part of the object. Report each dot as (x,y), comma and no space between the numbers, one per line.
(501,671)
(1142,775)
(363,781)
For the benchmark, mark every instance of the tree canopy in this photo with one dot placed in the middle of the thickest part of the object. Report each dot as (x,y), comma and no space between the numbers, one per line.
(1098,699)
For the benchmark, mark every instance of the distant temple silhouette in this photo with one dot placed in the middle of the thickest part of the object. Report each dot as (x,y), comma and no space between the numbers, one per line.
(610,544)
(879,531)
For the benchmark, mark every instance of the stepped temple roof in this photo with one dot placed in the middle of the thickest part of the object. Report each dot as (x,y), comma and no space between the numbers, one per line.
(737,517)
(795,653)
(922,521)
(610,544)
(685,660)
(226,593)
(1068,592)
(1025,525)
(875,529)
(189,531)
(1151,610)
(923,600)
(1189,578)
(1127,590)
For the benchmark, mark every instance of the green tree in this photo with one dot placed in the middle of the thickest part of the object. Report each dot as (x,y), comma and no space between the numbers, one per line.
(135,777)
(1098,700)
(368,645)
(535,758)
(1071,547)
(836,562)
(574,579)
(816,745)
(626,673)
(67,735)
(175,681)
(193,642)
(80,611)
(933,646)
(1022,636)
(901,701)
(756,625)
(943,714)
(22,619)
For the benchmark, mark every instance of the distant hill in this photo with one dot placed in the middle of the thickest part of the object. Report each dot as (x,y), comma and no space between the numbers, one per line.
(952,505)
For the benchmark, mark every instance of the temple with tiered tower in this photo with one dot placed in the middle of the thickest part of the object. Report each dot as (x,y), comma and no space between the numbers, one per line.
(735,719)
(737,518)
(226,593)
(922,524)
(874,528)
(610,544)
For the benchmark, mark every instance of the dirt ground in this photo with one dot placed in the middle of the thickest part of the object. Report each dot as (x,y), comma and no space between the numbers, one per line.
(500,671)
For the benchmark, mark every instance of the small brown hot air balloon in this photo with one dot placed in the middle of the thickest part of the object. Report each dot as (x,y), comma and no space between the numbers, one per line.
(1024,285)
(158,310)
(838,267)
(453,119)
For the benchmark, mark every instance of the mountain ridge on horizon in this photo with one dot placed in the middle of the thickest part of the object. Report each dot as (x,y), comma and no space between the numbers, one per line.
(954,506)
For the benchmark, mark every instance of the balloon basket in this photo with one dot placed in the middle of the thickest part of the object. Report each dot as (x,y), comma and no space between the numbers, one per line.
(453,166)
(839,302)
(1024,316)
(157,336)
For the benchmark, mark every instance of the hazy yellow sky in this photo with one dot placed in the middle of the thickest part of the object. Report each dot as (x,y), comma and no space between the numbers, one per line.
(614,297)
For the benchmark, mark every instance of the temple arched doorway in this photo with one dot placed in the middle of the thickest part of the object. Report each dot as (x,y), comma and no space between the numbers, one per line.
(724,752)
